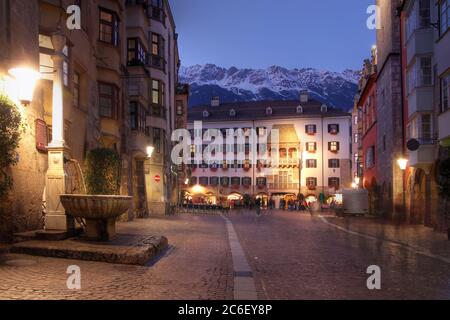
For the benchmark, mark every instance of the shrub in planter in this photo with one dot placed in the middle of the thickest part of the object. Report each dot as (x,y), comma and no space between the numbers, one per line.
(10,130)
(103,172)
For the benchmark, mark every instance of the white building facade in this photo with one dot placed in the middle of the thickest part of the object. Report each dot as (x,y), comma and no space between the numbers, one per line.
(312,156)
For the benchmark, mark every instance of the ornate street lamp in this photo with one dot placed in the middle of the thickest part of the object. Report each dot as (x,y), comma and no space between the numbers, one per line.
(25,82)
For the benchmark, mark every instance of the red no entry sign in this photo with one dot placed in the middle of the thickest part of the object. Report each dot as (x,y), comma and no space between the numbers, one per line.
(157,178)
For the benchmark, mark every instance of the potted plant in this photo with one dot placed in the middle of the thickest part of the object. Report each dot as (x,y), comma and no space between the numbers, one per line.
(102,205)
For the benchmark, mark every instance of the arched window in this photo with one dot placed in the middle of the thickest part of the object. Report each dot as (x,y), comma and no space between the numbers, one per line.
(232,113)
(299,109)
(269,111)
(205,114)
(324,108)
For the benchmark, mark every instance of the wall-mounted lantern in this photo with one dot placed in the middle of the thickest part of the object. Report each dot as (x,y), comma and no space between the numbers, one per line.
(25,82)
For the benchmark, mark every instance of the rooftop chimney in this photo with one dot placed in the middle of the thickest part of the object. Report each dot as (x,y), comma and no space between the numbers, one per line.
(304,96)
(215,102)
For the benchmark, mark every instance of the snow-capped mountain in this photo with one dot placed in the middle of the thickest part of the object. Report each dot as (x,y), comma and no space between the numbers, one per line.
(337,89)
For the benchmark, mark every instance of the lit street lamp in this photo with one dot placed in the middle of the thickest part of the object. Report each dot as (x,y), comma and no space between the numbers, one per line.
(150,151)
(403,164)
(25,81)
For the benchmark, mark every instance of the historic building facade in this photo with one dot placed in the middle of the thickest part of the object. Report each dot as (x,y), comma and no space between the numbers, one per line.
(389,111)
(312,156)
(110,84)
(426,66)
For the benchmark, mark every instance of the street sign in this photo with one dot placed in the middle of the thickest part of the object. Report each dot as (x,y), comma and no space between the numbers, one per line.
(413,145)
(157,178)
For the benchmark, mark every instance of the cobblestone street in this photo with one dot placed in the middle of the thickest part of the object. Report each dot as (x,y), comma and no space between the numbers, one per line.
(291,255)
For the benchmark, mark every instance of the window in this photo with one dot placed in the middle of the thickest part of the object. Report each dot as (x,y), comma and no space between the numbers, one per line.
(334,163)
(156,10)
(311,147)
(108,100)
(157,139)
(247,181)
(445,88)
(261,131)
(426,129)
(232,113)
(333,146)
(158,98)
(370,157)
(137,54)
(180,107)
(109,27)
(333,128)
(203,181)
(355,120)
(214,181)
(444,11)
(311,163)
(205,114)
(424,13)
(76,90)
(261,181)
(299,109)
(356,138)
(425,73)
(66,66)
(419,17)
(138,117)
(420,74)
(311,129)
(224,181)
(236,181)
(193,181)
(334,183)
(157,51)
(311,183)
(269,111)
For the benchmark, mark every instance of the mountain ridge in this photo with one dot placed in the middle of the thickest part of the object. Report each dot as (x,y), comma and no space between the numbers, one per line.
(336,89)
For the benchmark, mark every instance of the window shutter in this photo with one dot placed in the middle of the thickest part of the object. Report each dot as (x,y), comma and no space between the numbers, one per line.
(41,135)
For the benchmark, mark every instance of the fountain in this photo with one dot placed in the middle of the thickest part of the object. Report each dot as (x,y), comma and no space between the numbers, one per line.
(97,214)
(100,213)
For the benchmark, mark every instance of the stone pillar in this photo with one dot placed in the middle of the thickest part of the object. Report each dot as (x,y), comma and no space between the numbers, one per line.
(56,218)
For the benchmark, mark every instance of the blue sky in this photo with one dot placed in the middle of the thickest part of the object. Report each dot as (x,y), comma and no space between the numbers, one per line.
(323,34)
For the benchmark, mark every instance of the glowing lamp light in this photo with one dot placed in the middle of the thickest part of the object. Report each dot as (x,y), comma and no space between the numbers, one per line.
(354,185)
(150,151)
(402,163)
(186,182)
(357,180)
(26,79)
(197,189)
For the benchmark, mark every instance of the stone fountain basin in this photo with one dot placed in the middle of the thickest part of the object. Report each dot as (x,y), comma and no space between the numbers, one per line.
(100,213)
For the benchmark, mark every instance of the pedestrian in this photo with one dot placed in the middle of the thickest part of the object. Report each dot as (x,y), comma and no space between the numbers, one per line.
(258,207)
